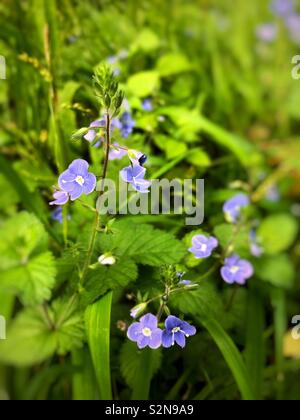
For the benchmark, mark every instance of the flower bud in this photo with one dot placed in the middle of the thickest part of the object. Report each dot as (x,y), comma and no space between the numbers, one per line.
(138,310)
(107,259)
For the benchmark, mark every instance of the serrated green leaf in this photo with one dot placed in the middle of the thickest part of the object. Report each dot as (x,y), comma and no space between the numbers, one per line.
(37,333)
(142,243)
(107,278)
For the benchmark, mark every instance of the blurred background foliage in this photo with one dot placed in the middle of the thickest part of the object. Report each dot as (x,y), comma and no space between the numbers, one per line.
(225,107)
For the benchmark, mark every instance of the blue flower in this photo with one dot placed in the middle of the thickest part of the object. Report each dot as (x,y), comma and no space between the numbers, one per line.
(176,331)
(232,208)
(60,198)
(267,32)
(236,270)
(137,158)
(77,180)
(57,215)
(146,332)
(127,124)
(135,175)
(203,246)
(180,276)
(256,250)
(282,8)
(117,152)
(92,134)
(147,105)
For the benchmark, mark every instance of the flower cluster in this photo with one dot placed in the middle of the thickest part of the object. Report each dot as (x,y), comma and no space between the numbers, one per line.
(146,332)
(284,9)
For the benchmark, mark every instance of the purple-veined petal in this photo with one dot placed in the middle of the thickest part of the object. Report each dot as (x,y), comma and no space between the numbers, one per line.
(143,342)
(126,174)
(149,321)
(89,185)
(155,339)
(227,276)
(188,329)
(180,339)
(76,192)
(79,167)
(134,331)
(90,136)
(172,322)
(167,339)
(61,198)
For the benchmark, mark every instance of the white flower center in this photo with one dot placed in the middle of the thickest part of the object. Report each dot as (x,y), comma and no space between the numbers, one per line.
(79,179)
(203,248)
(176,330)
(147,332)
(234,269)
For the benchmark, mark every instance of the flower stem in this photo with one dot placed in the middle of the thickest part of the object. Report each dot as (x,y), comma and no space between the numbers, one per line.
(97,218)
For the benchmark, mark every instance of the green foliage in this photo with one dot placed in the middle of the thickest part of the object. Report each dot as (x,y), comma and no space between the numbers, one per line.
(279,271)
(27,268)
(38,333)
(277,233)
(143,84)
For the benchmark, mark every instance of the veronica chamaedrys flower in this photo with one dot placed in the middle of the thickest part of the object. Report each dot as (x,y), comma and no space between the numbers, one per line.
(60,198)
(57,215)
(127,124)
(232,208)
(293,25)
(256,250)
(146,332)
(267,32)
(283,8)
(273,194)
(77,179)
(137,158)
(117,152)
(92,133)
(236,270)
(183,282)
(203,246)
(147,105)
(135,175)
(176,331)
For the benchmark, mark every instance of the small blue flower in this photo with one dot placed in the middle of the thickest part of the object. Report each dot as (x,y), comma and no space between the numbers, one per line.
(267,32)
(92,134)
(57,215)
(203,246)
(60,198)
(127,124)
(180,276)
(176,331)
(77,180)
(137,158)
(236,270)
(146,332)
(232,208)
(147,105)
(283,8)
(135,175)
(256,250)
(117,152)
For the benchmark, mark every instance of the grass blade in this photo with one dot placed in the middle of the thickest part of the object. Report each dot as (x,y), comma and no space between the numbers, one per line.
(232,356)
(84,381)
(97,318)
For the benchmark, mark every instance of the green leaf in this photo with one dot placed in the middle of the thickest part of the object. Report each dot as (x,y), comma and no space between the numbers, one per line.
(277,233)
(97,320)
(38,333)
(175,148)
(105,278)
(205,301)
(279,271)
(138,368)
(144,84)
(142,243)
(146,41)
(32,281)
(231,355)
(199,158)
(227,236)
(172,64)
